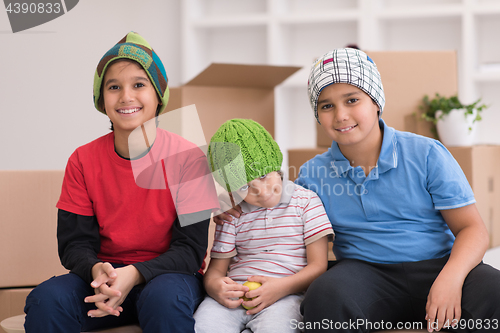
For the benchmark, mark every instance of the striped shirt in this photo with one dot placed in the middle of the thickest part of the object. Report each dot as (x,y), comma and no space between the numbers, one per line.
(272,241)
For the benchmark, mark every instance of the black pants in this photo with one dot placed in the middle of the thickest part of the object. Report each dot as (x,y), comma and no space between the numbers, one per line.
(358,296)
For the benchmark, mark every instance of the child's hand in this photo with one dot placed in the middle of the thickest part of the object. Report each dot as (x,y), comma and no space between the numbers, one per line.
(103,273)
(227,292)
(110,296)
(103,303)
(267,294)
(228,208)
(228,215)
(443,303)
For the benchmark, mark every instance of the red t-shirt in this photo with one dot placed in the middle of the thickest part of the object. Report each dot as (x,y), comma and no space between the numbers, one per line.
(134,204)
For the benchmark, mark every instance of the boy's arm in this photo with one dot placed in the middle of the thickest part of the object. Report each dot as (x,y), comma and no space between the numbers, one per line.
(217,284)
(78,243)
(220,287)
(471,242)
(273,289)
(185,255)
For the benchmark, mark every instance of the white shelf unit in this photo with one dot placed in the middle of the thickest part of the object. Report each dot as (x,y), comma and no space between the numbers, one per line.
(295,32)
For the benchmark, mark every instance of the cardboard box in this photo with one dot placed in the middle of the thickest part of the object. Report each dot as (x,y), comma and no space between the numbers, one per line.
(297,157)
(480,166)
(225,91)
(413,123)
(28,220)
(12,301)
(407,76)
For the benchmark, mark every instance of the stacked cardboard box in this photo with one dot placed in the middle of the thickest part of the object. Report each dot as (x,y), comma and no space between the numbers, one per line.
(407,77)
(480,165)
(226,91)
(12,301)
(28,246)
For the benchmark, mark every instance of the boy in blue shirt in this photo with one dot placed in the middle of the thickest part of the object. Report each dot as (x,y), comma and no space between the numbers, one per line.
(409,239)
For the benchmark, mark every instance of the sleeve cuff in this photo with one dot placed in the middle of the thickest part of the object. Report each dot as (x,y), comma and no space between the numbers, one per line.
(318,235)
(146,273)
(223,255)
(444,205)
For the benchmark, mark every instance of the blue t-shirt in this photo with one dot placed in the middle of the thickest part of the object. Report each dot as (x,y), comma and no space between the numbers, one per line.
(393,214)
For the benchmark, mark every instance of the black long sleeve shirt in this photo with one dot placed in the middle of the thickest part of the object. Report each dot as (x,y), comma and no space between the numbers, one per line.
(79,243)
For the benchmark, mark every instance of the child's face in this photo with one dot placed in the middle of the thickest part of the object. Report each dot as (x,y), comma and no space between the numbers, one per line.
(348,114)
(130,98)
(264,191)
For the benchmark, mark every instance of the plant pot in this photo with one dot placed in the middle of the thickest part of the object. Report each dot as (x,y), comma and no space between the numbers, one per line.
(456,129)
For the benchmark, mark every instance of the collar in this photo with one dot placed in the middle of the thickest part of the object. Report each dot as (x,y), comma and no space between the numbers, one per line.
(387,159)
(286,195)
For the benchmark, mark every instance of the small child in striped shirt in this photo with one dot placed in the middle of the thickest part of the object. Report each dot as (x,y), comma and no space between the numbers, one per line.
(280,240)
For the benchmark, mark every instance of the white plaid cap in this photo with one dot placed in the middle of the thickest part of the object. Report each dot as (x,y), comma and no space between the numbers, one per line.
(345,66)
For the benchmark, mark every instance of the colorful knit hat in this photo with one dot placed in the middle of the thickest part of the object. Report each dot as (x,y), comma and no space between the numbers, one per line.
(345,66)
(136,48)
(240,151)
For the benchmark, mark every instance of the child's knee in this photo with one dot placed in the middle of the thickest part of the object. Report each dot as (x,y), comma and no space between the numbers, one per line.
(60,289)
(56,296)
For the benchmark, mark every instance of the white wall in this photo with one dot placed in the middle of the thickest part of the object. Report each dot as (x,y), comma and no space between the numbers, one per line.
(46,75)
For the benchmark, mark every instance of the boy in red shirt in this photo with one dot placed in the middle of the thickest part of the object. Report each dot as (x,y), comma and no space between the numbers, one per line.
(129,227)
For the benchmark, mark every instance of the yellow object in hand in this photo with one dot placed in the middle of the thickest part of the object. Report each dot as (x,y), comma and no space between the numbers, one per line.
(251,285)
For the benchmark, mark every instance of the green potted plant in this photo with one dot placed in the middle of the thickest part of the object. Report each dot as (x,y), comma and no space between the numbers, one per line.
(455,121)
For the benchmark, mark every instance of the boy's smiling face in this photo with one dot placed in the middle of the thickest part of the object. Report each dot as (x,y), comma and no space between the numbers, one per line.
(348,115)
(264,191)
(130,98)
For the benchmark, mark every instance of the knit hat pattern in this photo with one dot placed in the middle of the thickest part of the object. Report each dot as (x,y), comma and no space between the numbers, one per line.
(349,66)
(240,151)
(133,46)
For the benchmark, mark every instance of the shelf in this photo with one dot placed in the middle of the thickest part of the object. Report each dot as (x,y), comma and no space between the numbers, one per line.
(443,11)
(302,43)
(387,4)
(486,130)
(488,49)
(296,114)
(239,44)
(230,7)
(318,6)
(427,34)
(485,77)
(486,2)
(231,21)
(493,9)
(325,17)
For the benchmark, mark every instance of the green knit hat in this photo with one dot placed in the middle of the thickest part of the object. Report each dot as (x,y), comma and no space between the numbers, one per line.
(136,48)
(240,151)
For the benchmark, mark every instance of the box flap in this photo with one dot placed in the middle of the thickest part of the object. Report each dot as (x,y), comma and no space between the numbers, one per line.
(235,75)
